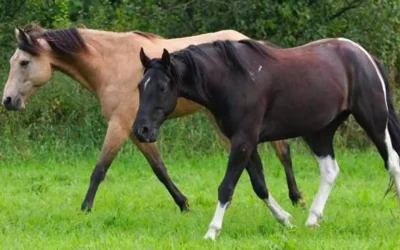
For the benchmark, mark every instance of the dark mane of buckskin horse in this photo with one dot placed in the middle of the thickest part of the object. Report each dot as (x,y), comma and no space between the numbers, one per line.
(258,93)
(65,42)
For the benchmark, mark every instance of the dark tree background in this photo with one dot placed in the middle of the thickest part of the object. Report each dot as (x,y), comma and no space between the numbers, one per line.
(64,111)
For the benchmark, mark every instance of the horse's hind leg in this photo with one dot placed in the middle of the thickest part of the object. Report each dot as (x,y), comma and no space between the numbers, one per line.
(282,151)
(321,143)
(255,171)
(374,122)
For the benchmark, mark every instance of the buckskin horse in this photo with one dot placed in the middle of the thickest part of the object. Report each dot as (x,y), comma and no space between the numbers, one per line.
(107,64)
(259,93)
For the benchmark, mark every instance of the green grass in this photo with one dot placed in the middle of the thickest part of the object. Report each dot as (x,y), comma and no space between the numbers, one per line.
(41,196)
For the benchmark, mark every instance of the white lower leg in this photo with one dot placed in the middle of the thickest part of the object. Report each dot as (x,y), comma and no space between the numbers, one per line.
(393,163)
(329,171)
(281,215)
(216,223)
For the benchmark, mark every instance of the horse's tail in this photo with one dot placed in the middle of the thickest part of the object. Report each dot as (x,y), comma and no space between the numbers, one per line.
(393,121)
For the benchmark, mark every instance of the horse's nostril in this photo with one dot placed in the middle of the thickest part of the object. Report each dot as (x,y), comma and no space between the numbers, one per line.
(7,101)
(145,130)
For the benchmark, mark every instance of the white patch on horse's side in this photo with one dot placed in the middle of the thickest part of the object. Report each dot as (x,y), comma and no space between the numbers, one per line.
(216,223)
(329,171)
(259,68)
(373,63)
(145,83)
(280,215)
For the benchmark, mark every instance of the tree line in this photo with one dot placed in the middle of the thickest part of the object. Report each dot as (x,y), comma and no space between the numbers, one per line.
(372,23)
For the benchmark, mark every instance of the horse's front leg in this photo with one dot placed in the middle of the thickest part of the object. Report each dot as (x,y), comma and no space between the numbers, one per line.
(241,148)
(153,156)
(115,137)
(282,150)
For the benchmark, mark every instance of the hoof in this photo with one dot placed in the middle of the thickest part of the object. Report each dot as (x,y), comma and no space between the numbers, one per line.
(86,207)
(297,200)
(313,220)
(211,234)
(184,207)
(286,221)
(312,225)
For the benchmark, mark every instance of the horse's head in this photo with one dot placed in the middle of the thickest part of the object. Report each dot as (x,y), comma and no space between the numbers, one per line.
(158,92)
(30,68)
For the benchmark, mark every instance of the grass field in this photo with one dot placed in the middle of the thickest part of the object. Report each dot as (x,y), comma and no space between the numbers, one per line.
(41,196)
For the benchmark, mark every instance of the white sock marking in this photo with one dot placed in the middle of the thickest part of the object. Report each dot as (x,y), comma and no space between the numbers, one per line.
(145,83)
(216,223)
(329,171)
(281,215)
(393,163)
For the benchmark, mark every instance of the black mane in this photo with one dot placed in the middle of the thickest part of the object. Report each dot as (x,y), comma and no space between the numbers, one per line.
(64,42)
(227,51)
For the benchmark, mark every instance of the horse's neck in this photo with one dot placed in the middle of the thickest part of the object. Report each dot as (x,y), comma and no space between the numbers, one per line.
(189,88)
(112,59)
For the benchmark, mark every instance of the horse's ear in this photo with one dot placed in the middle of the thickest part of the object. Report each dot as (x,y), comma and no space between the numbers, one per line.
(166,58)
(22,36)
(143,58)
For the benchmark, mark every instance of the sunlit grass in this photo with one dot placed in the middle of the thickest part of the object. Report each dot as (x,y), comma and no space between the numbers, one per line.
(41,196)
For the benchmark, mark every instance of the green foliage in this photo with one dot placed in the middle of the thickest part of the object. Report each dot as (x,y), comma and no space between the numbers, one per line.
(63,111)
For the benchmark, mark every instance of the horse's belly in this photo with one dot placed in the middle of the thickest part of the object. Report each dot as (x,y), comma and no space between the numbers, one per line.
(274,130)
(300,117)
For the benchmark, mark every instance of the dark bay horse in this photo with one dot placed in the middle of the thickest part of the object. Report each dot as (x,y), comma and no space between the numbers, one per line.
(258,93)
(107,64)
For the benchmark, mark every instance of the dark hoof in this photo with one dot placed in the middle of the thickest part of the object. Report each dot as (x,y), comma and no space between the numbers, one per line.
(184,206)
(297,199)
(86,207)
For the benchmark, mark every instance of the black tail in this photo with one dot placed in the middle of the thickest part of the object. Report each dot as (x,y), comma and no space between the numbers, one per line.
(393,121)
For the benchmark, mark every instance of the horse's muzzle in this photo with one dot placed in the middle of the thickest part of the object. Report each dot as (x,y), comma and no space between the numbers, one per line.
(145,133)
(11,103)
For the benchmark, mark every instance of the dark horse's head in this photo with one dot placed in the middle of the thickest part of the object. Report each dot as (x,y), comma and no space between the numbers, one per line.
(158,94)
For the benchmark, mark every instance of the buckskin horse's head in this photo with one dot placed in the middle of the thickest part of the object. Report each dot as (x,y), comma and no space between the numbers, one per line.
(29,70)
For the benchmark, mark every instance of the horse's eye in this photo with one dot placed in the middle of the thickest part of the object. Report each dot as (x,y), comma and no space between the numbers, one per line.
(162,88)
(24,63)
